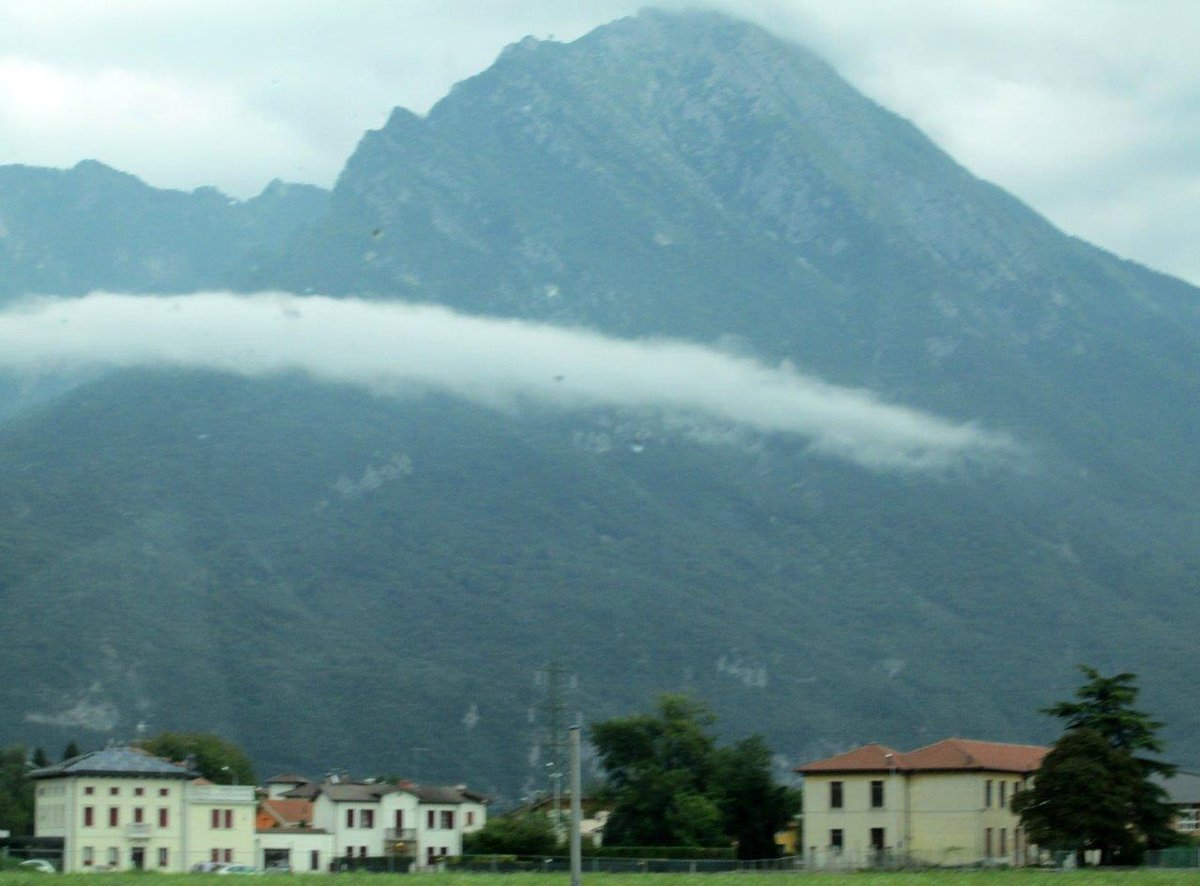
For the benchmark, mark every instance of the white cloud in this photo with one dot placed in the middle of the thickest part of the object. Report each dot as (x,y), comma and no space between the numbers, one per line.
(399,348)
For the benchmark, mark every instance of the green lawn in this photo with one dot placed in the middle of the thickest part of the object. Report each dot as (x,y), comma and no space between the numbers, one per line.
(940,878)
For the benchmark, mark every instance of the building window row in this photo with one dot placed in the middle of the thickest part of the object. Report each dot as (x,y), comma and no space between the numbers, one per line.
(1001,792)
(445,820)
(90,790)
(837,839)
(222,819)
(837,794)
(366,818)
(997,848)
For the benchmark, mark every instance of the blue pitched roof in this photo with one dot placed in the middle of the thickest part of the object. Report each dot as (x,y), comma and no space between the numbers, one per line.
(115,762)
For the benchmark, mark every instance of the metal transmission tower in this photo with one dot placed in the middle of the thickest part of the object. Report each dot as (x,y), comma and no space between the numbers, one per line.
(553,735)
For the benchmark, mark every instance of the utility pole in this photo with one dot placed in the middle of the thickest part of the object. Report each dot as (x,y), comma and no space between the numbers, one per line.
(576,811)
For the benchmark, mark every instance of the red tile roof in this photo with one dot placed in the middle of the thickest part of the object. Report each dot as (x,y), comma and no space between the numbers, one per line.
(948,755)
(993,756)
(868,758)
(288,812)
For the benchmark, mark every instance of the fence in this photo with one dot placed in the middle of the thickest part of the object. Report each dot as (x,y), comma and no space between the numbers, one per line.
(1174,857)
(599,864)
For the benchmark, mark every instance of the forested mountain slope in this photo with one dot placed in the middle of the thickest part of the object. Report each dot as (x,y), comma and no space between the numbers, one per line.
(339,579)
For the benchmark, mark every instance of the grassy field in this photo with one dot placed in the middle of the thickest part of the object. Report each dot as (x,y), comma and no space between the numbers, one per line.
(927,878)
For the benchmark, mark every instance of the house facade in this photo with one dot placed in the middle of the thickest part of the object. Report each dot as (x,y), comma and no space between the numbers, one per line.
(362,820)
(944,804)
(1183,793)
(123,809)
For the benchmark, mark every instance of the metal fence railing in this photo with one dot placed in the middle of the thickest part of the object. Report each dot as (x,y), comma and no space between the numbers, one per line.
(1173,857)
(599,864)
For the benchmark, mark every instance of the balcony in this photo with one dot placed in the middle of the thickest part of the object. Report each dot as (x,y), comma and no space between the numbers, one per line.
(395,835)
(138,830)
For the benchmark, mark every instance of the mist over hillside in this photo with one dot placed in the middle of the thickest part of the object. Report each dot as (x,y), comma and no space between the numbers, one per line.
(662,354)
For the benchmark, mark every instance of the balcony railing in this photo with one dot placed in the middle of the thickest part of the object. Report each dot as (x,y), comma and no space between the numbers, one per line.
(138,830)
(395,834)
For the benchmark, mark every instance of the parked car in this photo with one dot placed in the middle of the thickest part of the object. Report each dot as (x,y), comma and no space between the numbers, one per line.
(207,867)
(37,865)
(239,869)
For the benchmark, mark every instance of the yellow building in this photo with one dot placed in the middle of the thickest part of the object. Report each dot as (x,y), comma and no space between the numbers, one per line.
(944,804)
(220,824)
(124,809)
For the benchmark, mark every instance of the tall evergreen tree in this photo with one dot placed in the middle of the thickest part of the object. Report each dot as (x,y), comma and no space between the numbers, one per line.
(1094,790)
(16,791)
(1082,798)
(71,750)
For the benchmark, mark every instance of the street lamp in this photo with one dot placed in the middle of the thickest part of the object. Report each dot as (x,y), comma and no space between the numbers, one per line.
(232,774)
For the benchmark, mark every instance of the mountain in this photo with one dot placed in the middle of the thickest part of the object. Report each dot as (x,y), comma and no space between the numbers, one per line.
(67,232)
(339,579)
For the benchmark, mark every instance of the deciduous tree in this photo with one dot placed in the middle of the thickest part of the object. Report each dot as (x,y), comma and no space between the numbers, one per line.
(528,834)
(672,786)
(218,760)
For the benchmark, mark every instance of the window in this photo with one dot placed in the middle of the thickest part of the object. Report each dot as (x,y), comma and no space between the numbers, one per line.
(138,815)
(114,792)
(1003,794)
(162,856)
(314,860)
(835,841)
(877,839)
(113,858)
(137,792)
(228,819)
(214,855)
(399,819)
(429,821)
(987,794)
(114,816)
(89,790)
(987,843)
(215,822)
(877,795)
(429,852)
(89,816)
(447,821)
(1016,788)
(1004,841)
(163,817)
(470,818)
(368,818)
(835,795)
(227,855)
(349,818)
(162,792)
(362,851)
(443,851)
(89,856)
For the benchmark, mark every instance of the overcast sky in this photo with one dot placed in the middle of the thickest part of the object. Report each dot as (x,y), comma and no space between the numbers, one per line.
(1089,110)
